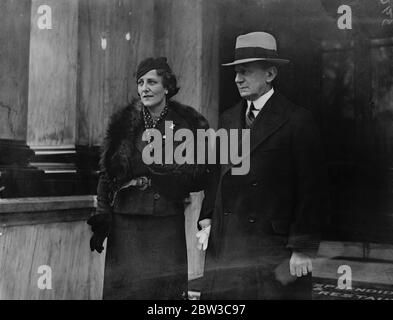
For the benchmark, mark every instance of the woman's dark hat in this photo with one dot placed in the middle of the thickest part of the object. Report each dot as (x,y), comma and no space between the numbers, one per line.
(152,64)
(256,46)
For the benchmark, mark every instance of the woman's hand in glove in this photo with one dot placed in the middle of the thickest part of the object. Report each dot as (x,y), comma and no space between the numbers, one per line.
(100,225)
(96,242)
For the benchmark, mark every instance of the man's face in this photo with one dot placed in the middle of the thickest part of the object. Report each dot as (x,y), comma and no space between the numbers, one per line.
(253,80)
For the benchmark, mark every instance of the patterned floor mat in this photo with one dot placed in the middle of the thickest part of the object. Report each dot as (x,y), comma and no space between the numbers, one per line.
(327,290)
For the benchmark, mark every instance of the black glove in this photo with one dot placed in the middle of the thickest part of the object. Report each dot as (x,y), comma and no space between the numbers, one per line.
(96,242)
(100,225)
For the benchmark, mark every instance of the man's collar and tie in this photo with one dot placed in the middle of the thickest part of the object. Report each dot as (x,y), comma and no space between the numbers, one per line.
(254,107)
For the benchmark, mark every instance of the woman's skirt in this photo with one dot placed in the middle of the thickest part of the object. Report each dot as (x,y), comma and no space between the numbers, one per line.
(146,258)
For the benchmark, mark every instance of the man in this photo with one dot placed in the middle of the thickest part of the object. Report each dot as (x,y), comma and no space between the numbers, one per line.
(264,225)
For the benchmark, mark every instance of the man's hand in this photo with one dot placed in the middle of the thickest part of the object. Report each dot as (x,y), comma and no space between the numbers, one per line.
(205,223)
(203,235)
(300,264)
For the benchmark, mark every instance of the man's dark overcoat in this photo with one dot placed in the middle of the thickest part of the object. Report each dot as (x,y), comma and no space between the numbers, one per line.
(258,219)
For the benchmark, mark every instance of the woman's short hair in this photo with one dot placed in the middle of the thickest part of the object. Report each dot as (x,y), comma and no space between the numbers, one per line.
(160,64)
(169,82)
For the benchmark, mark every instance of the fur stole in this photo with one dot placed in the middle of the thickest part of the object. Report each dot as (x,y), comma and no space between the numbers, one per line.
(124,126)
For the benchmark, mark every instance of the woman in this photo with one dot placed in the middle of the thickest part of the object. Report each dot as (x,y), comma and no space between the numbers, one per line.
(141,207)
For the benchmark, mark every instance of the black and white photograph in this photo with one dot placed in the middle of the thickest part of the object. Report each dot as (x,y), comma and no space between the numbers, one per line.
(212,151)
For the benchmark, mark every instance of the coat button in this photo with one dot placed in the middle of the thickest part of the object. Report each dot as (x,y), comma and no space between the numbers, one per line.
(156,196)
(251,219)
(255,184)
(227,213)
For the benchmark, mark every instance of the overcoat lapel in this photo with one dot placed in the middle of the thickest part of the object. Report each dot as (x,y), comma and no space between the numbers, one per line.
(270,119)
(235,121)
(272,116)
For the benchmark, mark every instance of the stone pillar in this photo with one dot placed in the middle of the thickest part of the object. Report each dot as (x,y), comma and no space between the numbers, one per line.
(17,178)
(113,37)
(51,125)
(81,71)
(187,32)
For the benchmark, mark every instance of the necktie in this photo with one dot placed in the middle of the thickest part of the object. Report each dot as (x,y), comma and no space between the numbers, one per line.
(251,115)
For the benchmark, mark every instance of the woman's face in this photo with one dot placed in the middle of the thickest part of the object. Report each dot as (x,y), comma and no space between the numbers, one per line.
(151,89)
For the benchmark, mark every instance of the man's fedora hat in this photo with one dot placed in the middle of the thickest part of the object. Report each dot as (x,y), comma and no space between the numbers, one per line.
(256,46)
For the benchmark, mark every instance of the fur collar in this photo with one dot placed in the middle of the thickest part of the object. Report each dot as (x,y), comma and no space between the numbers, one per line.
(124,125)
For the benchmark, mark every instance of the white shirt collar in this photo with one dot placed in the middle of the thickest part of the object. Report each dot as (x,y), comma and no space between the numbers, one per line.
(260,102)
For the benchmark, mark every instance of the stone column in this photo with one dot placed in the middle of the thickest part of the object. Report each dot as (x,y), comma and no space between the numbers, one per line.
(17,178)
(52,73)
(113,36)
(187,33)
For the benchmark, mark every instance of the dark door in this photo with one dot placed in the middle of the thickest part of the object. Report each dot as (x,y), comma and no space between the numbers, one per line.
(345,77)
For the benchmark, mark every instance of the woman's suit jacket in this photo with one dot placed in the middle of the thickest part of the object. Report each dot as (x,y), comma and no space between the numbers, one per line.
(121,161)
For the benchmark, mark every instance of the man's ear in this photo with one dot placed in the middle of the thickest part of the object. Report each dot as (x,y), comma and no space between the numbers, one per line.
(271,74)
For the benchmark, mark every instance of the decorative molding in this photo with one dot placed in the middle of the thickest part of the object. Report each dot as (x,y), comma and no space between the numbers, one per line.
(47,170)
(32,211)
(69,169)
(14,153)
(87,158)
(54,159)
(17,177)
(47,204)
(66,159)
